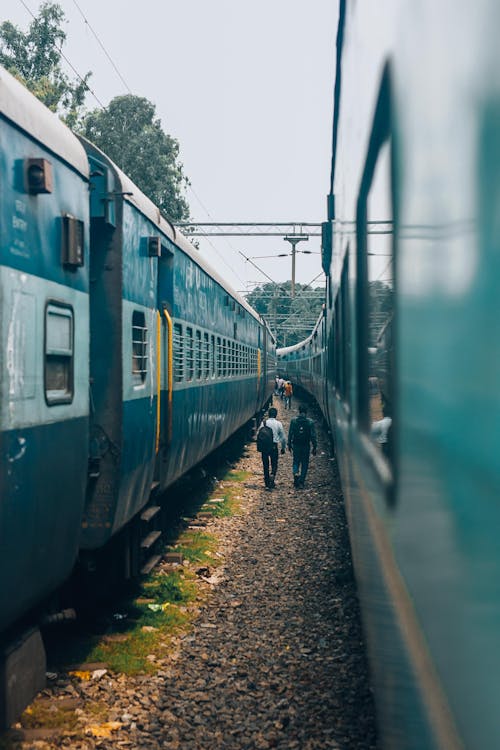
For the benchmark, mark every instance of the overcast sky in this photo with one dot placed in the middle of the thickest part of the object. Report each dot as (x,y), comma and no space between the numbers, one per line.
(247,90)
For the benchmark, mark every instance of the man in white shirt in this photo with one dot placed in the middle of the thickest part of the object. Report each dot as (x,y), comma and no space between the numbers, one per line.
(270,457)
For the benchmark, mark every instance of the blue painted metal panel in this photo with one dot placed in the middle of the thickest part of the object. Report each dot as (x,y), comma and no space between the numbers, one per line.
(42,479)
(204,417)
(31,225)
(43,442)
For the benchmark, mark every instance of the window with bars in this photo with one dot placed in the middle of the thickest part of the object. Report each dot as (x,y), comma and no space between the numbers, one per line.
(178,346)
(189,353)
(139,347)
(219,357)
(224,358)
(206,356)
(198,355)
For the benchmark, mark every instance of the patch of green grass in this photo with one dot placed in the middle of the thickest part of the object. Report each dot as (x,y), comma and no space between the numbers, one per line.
(168,587)
(225,509)
(197,547)
(238,476)
(230,493)
(156,614)
(131,657)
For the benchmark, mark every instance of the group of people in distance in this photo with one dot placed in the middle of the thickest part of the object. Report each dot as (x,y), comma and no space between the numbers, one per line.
(301,437)
(284,389)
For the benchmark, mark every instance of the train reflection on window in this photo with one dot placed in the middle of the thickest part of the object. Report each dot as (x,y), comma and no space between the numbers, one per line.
(380,304)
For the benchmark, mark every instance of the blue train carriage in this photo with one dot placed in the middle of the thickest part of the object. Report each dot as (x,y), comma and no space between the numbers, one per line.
(44,325)
(177,364)
(123,324)
(304,363)
(221,369)
(44,348)
(412,308)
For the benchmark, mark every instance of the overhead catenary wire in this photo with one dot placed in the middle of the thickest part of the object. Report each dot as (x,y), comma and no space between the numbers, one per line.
(101,45)
(238,252)
(80,78)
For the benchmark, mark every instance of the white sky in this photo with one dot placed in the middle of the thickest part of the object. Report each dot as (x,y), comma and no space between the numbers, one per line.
(247,90)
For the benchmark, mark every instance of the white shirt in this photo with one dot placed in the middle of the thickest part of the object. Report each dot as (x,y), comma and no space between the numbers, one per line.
(277,428)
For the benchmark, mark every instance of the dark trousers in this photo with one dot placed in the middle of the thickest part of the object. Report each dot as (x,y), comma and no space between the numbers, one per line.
(300,461)
(270,458)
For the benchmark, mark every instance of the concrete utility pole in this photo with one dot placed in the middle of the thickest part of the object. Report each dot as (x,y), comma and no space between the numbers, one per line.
(294,239)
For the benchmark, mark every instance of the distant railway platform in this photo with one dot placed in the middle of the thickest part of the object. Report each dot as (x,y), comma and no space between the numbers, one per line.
(274,654)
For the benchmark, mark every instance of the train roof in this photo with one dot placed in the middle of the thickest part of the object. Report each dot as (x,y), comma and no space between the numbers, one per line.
(284,350)
(27,113)
(133,195)
(294,348)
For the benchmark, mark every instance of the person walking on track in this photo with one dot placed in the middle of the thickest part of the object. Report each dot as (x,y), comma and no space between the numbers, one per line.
(288,395)
(269,437)
(301,435)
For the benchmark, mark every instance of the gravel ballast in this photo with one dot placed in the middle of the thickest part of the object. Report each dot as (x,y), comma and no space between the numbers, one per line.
(275,656)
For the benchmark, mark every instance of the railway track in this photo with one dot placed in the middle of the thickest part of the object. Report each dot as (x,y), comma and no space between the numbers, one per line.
(270,654)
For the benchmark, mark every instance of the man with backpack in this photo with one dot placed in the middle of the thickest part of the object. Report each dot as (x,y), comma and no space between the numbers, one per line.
(269,437)
(301,435)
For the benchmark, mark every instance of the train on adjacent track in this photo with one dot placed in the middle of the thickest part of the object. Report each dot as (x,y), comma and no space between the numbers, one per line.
(124,361)
(405,360)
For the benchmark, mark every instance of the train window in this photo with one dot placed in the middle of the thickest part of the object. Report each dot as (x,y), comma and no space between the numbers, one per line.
(224,357)
(59,354)
(346,326)
(206,356)
(198,354)
(342,334)
(219,357)
(213,360)
(139,347)
(178,353)
(189,353)
(375,286)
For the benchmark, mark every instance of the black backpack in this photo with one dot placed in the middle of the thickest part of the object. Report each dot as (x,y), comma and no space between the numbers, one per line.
(265,439)
(302,431)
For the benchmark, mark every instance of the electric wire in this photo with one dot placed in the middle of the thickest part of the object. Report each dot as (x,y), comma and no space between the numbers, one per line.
(82,80)
(238,252)
(101,45)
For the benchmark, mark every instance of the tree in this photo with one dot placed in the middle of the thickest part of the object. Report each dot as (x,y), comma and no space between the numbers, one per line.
(290,318)
(34,58)
(129,132)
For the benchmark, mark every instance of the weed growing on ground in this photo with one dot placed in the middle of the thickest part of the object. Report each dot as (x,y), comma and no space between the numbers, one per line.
(197,546)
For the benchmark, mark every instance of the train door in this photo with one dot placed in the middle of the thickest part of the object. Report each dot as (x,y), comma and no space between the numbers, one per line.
(164,362)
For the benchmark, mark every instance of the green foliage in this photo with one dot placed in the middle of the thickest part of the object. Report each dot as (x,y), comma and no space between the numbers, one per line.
(34,58)
(380,305)
(290,319)
(129,132)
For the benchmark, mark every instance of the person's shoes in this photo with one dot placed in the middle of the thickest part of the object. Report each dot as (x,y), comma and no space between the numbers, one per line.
(271,482)
(296,480)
